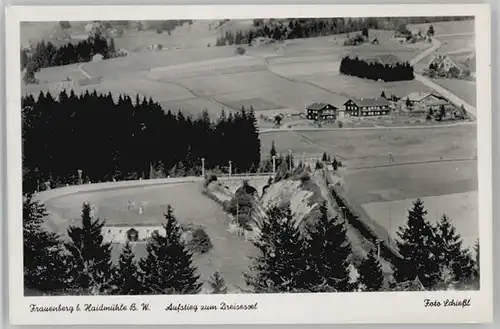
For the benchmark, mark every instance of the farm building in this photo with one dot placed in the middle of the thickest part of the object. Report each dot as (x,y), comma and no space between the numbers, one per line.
(425,100)
(122,233)
(321,111)
(361,107)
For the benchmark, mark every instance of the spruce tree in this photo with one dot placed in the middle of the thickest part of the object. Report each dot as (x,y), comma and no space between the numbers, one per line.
(90,257)
(43,255)
(371,277)
(218,284)
(126,277)
(452,257)
(273,152)
(327,254)
(417,246)
(280,266)
(168,268)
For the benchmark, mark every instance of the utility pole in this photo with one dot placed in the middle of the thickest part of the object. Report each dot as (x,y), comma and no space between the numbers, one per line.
(202,167)
(289,159)
(274,164)
(230,167)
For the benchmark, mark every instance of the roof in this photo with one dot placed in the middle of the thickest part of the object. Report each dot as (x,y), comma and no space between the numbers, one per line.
(418,97)
(319,106)
(361,102)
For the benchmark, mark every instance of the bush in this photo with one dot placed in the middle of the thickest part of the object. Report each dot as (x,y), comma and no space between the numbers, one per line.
(305,177)
(211,178)
(64,24)
(240,51)
(200,241)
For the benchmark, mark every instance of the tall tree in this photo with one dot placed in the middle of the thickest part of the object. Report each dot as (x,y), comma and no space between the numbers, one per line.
(452,256)
(90,256)
(328,251)
(218,284)
(43,255)
(126,277)
(280,265)
(371,277)
(477,258)
(417,246)
(273,152)
(168,268)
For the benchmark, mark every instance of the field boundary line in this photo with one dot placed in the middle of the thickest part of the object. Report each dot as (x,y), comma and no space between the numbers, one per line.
(305,129)
(412,163)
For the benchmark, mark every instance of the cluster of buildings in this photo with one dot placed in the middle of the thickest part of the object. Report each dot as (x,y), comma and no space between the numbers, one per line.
(373,107)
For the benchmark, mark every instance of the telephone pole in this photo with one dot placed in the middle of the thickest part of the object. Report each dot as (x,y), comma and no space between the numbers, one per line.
(202,167)
(230,167)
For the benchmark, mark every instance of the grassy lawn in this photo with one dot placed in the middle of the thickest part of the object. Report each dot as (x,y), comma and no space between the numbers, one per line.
(462,88)
(349,86)
(361,148)
(446,27)
(229,254)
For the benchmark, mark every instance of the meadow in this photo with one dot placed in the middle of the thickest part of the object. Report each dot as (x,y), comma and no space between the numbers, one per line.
(465,89)
(450,27)
(371,147)
(287,75)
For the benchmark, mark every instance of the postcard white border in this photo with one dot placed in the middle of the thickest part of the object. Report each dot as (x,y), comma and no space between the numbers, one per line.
(385,307)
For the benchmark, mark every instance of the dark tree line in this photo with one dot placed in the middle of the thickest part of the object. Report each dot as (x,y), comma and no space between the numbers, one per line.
(317,258)
(47,54)
(375,71)
(127,139)
(294,28)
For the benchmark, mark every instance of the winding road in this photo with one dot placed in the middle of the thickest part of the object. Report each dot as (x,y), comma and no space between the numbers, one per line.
(434,86)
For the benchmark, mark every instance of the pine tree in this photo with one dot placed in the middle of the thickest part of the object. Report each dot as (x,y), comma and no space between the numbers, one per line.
(417,246)
(477,258)
(90,258)
(126,277)
(218,284)
(382,95)
(44,261)
(327,254)
(168,268)
(325,157)
(280,266)
(273,152)
(451,255)
(371,277)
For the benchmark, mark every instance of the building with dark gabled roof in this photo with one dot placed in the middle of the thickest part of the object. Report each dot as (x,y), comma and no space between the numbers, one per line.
(363,107)
(321,111)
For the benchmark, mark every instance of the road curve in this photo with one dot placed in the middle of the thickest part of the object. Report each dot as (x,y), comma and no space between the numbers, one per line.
(45,196)
(434,86)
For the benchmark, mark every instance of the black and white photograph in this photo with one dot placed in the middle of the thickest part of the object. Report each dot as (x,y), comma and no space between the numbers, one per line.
(317,155)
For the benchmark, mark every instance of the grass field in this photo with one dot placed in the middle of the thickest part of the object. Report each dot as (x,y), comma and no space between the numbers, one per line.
(290,75)
(446,27)
(229,254)
(362,148)
(463,88)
